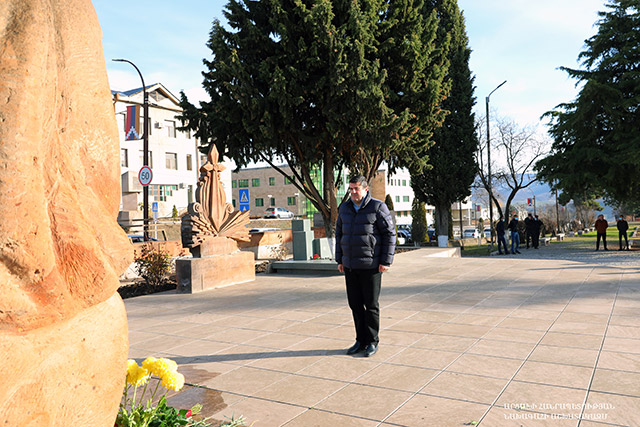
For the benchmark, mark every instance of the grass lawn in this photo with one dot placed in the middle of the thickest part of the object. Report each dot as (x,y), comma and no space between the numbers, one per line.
(586,241)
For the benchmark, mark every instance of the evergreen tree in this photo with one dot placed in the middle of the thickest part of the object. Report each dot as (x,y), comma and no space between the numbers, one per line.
(311,83)
(596,138)
(389,202)
(453,166)
(418,221)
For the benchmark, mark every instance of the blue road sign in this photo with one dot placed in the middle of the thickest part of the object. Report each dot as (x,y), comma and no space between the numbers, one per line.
(243,195)
(154,206)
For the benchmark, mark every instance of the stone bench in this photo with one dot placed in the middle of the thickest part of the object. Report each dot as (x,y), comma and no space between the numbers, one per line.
(560,237)
(546,241)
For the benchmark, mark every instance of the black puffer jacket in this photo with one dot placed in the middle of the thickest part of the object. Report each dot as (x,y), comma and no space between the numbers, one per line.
(367,238)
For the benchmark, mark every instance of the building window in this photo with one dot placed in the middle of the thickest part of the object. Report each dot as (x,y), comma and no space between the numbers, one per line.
(397,199)
(273,201)
(243,183)
(405,198)
(255,182)
(171,128)
(124,158)
(189,162)
(291,201)
(161,192)
(234,183)
(404,182)
(287,181)
(272,181)
(150,158)
(171,161)
(203,159)
(259,202)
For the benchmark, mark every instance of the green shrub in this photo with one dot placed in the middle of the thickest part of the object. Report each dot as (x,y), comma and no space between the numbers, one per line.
(389,202)
(153,265)
(419,221)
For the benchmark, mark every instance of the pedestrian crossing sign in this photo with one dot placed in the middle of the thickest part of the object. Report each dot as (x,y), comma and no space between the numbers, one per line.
(243,195)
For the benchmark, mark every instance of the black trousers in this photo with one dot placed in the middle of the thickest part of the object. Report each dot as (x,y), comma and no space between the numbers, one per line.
(535,240)
(602,236)
(363,291)
(622,234)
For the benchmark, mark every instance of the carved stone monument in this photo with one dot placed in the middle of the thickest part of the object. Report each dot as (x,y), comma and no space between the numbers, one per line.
(63,327)
(211,230)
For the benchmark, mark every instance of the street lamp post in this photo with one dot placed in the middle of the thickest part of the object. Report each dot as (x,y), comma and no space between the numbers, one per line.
(145,148)
(489,167)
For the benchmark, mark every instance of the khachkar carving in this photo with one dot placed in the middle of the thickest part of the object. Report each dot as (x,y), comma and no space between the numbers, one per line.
(210,216)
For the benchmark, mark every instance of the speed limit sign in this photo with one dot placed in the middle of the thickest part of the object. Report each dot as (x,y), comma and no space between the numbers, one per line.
(145,175)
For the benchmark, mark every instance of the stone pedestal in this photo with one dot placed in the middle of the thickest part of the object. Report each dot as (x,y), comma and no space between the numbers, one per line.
(321,248)
(220,264)
(302,238)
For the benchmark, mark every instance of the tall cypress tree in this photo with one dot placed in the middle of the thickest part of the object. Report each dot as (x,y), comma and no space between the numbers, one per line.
(453,166)
(596,138)
(309,82)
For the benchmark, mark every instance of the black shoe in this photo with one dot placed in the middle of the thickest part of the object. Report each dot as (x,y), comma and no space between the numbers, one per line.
(500,253)
(371,350)
(356,348)
(518,252)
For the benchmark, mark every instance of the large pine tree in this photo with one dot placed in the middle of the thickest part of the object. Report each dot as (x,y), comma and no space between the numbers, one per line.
(596,148)
(453,166)
(312,82)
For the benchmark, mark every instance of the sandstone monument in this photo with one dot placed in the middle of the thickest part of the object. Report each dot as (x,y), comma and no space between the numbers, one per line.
(63,327)
(211,230)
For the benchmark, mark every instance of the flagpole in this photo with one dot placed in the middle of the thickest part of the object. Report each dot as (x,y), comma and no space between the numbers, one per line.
(145,149)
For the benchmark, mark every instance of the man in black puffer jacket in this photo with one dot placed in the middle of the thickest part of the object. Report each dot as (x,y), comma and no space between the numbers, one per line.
(365,243)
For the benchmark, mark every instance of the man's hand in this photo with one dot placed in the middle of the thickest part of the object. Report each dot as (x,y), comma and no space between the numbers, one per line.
(340,268)
(381,268)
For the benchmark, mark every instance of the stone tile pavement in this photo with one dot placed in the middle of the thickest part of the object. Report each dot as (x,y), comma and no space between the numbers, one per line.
(499,341)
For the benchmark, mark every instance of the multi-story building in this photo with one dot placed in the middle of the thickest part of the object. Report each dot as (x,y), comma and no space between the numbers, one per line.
(173,155)
(268,187)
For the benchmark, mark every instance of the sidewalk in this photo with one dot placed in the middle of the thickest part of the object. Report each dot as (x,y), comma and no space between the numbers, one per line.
(503,341)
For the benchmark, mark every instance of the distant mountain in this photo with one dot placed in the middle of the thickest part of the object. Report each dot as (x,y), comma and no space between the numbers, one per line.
(543,195)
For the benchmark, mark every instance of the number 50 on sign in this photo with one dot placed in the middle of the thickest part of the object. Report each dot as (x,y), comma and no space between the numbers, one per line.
(145,175)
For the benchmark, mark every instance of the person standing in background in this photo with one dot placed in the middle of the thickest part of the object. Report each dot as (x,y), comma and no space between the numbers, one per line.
(623,226)
(601,229)
(515,237)
(500,236)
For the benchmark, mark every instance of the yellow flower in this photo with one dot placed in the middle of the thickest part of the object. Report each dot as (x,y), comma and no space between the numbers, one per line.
(136,375)
(173,380)
(159,367)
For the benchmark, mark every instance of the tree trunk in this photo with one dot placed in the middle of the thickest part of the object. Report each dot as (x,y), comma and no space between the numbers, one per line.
(329,192)
(442,224)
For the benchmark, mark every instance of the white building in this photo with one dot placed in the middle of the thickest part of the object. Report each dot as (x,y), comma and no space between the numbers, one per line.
(173,155)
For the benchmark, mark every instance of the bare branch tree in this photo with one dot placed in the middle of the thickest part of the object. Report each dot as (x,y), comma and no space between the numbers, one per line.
(515,150)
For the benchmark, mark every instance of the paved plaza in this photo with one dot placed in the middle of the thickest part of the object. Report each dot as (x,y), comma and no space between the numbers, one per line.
(545,338)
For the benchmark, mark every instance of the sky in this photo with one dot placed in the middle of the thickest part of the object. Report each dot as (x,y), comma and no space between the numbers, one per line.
(520,41)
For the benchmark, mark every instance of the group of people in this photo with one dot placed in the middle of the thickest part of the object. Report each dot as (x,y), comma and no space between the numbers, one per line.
(601,232)
(532,226)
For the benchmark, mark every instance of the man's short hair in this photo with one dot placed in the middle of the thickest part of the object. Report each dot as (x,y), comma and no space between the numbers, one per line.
(359,180)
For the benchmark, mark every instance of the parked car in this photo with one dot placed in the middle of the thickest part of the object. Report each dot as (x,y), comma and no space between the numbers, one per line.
(470,233)
(139,238)
(278,213)
(431,232)
(262,230)
(487,232)
(403,237)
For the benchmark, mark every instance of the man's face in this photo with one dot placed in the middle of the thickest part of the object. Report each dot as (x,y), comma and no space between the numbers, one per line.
(357,192)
